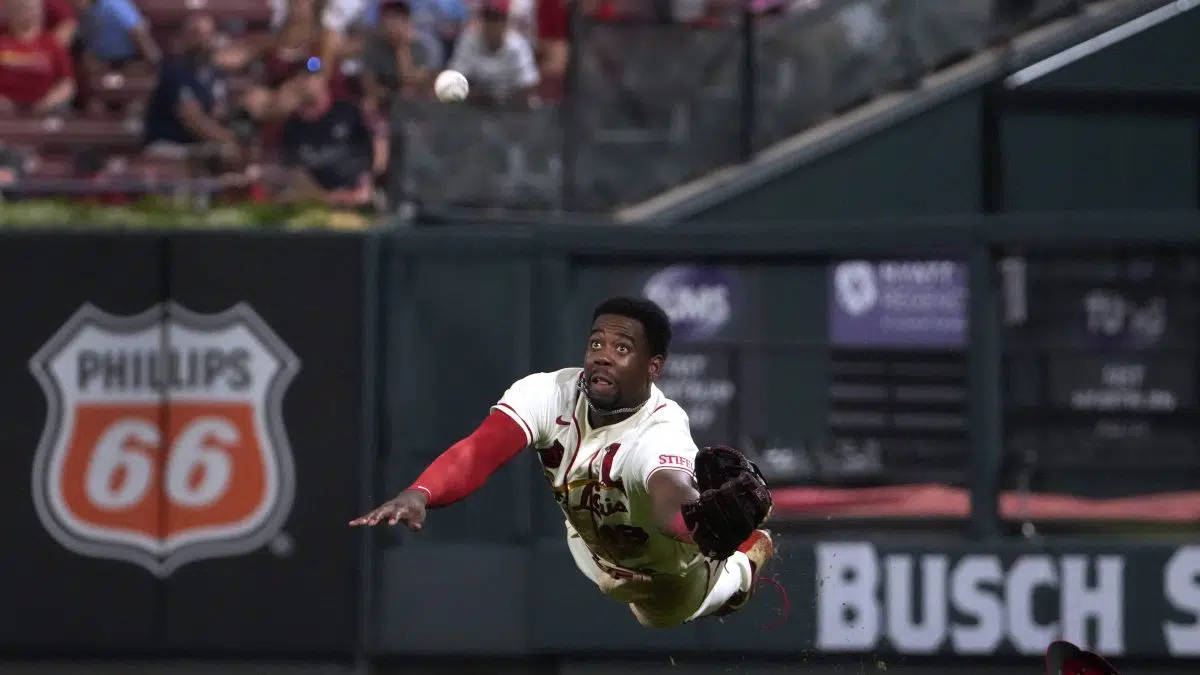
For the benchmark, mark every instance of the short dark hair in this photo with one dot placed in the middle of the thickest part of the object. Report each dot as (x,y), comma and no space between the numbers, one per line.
(655,323)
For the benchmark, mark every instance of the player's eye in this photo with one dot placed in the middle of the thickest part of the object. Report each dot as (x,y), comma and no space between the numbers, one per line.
(595,344)
(623,349)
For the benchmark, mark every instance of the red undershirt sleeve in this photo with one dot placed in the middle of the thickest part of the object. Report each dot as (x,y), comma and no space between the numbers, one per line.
(464,468)
(678,529)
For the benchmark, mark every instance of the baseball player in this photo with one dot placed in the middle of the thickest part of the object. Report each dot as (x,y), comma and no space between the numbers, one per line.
(670,530)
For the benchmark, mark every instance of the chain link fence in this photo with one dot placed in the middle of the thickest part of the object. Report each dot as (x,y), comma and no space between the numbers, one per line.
(649,106)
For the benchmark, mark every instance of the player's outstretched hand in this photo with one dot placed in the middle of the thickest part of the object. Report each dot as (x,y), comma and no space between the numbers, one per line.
(408,507)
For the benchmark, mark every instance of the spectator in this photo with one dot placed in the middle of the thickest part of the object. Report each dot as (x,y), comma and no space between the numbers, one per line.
(522,16)
(293,41)
(497,60)
(397,57)
(553,27)
(59,19)
(114,33)
(36,76)
(328,147)
(442,18)
(552,38)
(190,100)
(338,17)
(284,57)
(287,58)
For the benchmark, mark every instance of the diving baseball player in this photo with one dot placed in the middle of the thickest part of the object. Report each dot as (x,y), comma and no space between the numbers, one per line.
(670,530)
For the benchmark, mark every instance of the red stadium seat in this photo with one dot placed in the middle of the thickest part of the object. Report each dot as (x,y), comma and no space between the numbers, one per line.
(164,13)
(121,88)
(71,134)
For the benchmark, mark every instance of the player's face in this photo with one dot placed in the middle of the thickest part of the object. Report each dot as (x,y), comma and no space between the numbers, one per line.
(495,25)
(618,365)
(313,91)
(396,26)
(198,35)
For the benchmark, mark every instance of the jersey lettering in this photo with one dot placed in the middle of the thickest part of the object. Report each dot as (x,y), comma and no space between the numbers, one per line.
(675,460)
(624,542)
(594,499)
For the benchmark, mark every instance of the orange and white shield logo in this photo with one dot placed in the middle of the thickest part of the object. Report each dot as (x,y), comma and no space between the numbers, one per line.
(164,440)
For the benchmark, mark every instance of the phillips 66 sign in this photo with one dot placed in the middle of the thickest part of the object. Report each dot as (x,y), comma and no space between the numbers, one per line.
(164,440)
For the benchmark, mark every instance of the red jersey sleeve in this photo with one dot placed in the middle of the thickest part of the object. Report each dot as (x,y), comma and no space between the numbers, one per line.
(466,466)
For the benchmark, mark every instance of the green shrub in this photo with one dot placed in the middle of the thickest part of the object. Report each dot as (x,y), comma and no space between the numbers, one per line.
(164,213)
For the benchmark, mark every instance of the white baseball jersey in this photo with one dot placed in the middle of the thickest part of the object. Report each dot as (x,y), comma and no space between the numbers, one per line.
(600,476)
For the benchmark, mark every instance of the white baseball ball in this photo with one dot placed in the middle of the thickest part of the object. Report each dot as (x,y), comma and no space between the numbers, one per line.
(450,86)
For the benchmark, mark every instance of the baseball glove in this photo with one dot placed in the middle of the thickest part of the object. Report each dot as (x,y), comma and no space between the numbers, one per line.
(734,501)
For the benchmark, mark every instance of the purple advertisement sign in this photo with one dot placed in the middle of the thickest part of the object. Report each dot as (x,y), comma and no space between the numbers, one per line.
(700,301)
(898,304)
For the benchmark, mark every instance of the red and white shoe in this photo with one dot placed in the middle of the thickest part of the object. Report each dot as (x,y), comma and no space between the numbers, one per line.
(1064,658)
(760,549)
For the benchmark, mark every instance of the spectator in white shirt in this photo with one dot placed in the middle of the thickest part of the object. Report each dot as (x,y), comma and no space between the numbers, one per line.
(337,18)
(497,60)
(397,58)
(522,17)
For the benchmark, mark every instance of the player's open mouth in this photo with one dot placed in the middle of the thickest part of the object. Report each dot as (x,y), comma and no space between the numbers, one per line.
(600,384)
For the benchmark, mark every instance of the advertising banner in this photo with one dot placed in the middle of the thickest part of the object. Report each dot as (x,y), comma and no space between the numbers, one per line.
(54,597)
(898,387)
(1101,353)
(1141,601)
(173,449)
(205,391)
(700,301)
(908,304)
(293,589)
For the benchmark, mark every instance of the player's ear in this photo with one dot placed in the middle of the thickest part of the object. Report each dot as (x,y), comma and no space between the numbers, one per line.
(656,366)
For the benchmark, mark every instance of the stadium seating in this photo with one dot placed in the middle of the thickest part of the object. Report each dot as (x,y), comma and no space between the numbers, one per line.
(109,115)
